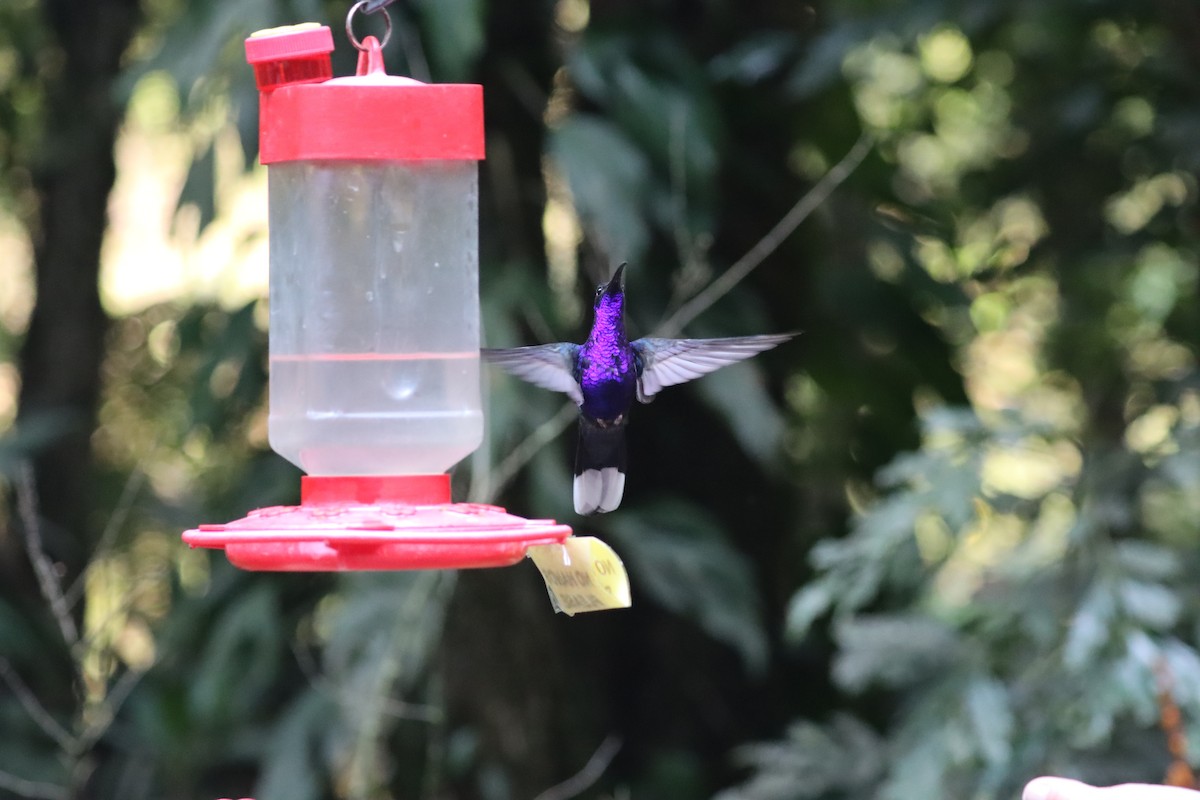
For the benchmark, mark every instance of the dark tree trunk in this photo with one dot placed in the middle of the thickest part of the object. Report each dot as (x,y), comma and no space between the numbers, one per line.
(62,352)
(60,360)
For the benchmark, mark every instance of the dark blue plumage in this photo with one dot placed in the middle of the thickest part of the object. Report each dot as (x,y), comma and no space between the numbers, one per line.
(606,373)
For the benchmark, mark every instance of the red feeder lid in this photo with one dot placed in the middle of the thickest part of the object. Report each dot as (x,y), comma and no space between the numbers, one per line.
(290,55)
(306,40)
(376,523)
(371,116)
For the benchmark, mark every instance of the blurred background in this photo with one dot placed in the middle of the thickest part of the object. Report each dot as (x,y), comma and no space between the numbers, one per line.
(943,542)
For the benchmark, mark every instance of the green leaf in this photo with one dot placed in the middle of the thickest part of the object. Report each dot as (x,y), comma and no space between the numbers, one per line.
(683,561)
(822,61)
(199,190)
(241,659)
(384,625)
(1091,627)
(453,32)
(660,96)
(812,761)
(35,432)
(888,525)
(919,771)
(19,634)
(295,748)
(806,606)
(739,393)
(1142,559)
(890,650)
(609,179)
(243,97)
(205,37)
(1150,604)
(754,59)
(1183,662)
(1183,468)
(991,718)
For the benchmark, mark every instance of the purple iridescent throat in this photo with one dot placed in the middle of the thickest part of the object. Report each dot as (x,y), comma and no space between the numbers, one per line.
(607,375)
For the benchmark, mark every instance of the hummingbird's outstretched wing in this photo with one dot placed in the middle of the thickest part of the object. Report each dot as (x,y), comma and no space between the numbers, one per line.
(550,366)
(666,362)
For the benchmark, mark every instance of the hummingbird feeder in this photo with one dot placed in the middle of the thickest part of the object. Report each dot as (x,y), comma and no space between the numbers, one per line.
(374,318)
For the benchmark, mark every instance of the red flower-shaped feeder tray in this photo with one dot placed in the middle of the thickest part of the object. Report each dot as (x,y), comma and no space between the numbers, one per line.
(376,523)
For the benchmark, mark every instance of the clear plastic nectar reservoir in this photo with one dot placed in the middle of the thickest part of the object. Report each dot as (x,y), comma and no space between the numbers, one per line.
(374,316)
(374,345)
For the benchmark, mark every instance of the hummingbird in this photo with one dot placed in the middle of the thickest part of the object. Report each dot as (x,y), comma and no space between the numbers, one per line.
(605,374)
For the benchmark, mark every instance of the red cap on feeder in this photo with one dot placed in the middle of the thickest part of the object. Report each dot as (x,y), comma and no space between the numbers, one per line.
(374,318)
(290,55)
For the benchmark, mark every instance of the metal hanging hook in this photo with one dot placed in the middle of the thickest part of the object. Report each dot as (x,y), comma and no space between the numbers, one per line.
(369,7)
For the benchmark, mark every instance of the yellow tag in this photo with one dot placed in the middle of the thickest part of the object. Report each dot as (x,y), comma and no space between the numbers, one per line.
(582,574)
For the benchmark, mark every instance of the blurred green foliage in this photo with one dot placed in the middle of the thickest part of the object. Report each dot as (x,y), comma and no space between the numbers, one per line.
(939,544)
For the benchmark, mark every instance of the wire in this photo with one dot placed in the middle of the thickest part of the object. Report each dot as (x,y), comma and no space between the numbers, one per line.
(371,6)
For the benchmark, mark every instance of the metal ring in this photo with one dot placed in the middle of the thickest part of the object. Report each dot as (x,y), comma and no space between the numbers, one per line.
(387,34)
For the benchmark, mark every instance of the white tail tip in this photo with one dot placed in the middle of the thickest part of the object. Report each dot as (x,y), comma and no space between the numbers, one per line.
(599,490)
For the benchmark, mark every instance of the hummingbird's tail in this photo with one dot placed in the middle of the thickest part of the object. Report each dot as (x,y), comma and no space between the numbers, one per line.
(599,467)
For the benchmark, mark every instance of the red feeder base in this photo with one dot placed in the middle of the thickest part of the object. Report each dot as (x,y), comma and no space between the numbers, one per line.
(376,523)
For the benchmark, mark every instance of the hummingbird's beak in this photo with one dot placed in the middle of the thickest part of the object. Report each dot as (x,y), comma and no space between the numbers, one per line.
(617,284)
